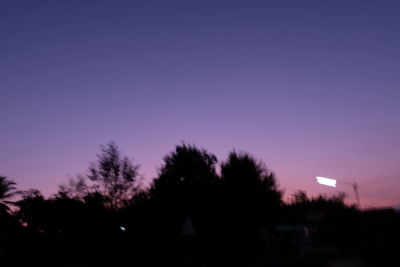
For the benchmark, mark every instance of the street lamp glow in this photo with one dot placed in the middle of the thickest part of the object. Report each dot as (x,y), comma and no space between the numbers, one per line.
(326,181)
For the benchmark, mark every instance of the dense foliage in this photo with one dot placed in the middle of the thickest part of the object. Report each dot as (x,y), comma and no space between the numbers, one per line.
(191,215)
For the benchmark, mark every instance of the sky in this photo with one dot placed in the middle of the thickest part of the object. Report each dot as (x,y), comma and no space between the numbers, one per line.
(309,87)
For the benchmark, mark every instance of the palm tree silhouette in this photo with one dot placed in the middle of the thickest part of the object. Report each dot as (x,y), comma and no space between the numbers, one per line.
(7,191)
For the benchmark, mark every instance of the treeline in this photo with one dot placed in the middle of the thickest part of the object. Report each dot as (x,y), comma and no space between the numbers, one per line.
(190,215)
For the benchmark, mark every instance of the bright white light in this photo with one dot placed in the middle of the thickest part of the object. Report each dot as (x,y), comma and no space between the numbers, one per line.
(123,229)
(326,181)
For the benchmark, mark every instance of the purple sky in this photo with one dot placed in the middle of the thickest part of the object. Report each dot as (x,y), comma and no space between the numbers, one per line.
(310,87)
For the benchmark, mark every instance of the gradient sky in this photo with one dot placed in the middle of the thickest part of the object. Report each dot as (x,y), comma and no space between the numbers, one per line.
(310,87)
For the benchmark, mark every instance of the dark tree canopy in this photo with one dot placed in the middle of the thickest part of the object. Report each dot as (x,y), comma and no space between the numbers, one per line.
(299,197)
(183,188)
(33,210)
(243,172)
(186,166)
(76,188)
(250,190)
(189,213)
(112,176)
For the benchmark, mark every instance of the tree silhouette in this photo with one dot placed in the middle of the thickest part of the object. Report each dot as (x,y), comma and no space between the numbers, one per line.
(113,176)
(190,215)
(333,222)
(299,197)
(250,199)
(184,183)
(33,210)
(182,190)
(251,187)
(303,208)
(77,188)
(7,192)
(186,167)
